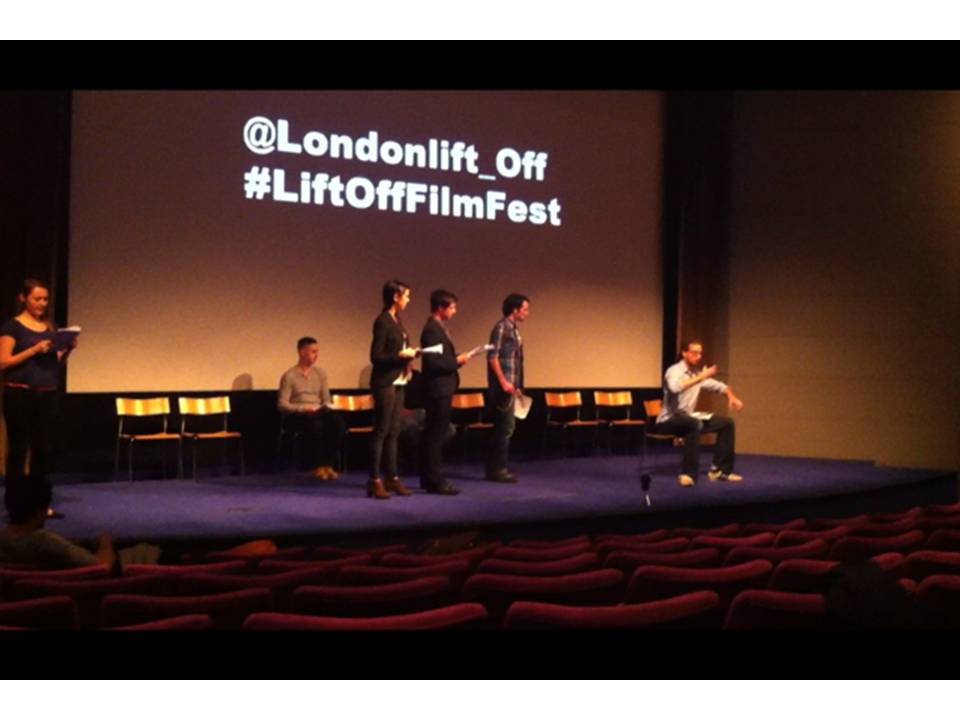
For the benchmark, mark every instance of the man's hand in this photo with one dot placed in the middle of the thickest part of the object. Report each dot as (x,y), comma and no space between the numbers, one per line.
(736,404)
(310,407)
(508,388)
(408,353)
(462,358)
(708,372)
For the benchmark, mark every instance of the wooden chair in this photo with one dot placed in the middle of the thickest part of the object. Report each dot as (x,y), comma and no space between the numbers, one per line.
(358,411)
(192,409)
(468,414)
(564,410)
(132,411)
(613,409)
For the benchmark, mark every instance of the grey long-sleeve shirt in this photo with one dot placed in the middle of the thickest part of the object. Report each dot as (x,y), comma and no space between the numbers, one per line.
(676,400)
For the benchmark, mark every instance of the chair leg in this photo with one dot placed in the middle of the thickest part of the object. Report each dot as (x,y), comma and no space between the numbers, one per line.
(116,461)
(240,445)
(130,461)
(194,443)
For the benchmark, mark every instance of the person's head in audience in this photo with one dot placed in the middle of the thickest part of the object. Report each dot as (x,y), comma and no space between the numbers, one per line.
(309,349)
(27,500)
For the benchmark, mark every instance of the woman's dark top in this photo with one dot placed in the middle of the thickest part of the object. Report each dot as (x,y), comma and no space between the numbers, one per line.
(40,371)
(389,338)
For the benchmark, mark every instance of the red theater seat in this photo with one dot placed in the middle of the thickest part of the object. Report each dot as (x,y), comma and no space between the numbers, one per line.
(628,561)
(231,566)
(419,594)
(281,585)
(752,528)
(578,541)
(473,556)
(724,544)
(564,566)
(508,552)
(496,592)
(57,612)
(937,601)
(182,622)
(941,510)
(943,539)
(774,610)
(923,563)
(885,529)
(271,566)
(728,530)
(815,549)
(693,610)
(849,522)
(802,575)
(88,594)
(851,549)
(670,545)
(9,575)
(457,571)
(799,537)
(455,616)
(226,610)
(652,536)
(656,582)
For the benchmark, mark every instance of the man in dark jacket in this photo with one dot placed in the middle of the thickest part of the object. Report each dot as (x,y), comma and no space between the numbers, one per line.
(440,383)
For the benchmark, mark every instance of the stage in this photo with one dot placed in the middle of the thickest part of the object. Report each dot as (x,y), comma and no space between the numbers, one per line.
(554,498)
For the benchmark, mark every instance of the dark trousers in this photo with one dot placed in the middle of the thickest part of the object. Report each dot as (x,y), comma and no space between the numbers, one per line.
(504,423)
(387,406)
(30,415)
(325,431)
(690,429)
(435,430)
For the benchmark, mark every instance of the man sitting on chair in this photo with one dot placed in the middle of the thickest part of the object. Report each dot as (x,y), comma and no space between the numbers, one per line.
(304,400)
(682,384)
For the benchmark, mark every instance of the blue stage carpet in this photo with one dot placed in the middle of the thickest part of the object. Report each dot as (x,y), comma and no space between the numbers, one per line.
(560,491)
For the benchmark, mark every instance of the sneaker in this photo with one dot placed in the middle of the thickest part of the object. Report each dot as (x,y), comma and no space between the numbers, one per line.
(725,477)
(686,481)
(324,472)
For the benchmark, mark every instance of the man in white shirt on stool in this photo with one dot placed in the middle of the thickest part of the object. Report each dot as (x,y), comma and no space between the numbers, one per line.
(682,383)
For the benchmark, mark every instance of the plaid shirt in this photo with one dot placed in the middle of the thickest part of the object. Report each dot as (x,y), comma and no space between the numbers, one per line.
(508,348)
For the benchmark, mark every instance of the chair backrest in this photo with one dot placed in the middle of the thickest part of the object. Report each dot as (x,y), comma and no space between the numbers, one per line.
(696,609)
(408,596)
(613,405)
(352,403)
(467,401)
(559,403)
(652,407)
(204,405)
(617,398)
(563,399)
(142,407)
(460,615)
(468,408)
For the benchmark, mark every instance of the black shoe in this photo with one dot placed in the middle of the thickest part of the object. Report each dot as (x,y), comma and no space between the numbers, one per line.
(444,489)
(501,476)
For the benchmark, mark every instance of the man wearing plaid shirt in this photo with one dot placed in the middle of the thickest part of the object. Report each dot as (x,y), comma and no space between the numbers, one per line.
(505,380)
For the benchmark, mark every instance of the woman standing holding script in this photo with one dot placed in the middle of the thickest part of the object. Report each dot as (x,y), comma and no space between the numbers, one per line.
(391,355)
(30,356)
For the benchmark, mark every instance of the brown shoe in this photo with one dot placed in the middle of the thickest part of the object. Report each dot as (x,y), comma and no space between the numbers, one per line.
(395,486)
(375,489)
